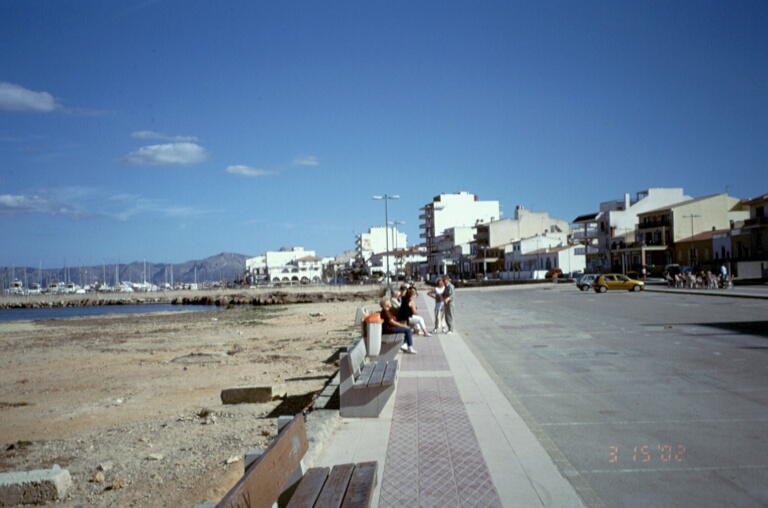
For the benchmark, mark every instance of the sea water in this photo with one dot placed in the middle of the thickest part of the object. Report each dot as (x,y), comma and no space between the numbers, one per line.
(69,312)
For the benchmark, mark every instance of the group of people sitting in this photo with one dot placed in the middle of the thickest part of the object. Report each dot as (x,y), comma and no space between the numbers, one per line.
(400,314)
(701,280)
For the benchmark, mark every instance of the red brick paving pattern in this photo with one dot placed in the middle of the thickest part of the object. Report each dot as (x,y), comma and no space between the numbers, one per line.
(433,458)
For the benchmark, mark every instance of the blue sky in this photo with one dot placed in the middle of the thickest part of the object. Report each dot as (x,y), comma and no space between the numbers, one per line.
(174,130)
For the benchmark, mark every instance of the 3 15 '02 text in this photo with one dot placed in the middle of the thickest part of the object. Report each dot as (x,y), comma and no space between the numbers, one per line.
(647,453)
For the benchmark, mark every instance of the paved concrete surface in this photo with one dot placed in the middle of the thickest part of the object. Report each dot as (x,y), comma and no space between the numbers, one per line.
(449,437)
(651,399)
(759,291)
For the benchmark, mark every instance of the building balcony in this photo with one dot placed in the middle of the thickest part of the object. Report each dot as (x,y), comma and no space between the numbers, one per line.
(756,221)
(654,224)
(638,245)
(585,235)
(584,251)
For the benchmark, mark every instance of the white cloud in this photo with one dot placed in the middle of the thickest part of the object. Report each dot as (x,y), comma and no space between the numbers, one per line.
(307,161)
(162,137)
(16,98)
(20,204)
(90,203)
(128,206)
(248,171)
(11,204)
(167,154)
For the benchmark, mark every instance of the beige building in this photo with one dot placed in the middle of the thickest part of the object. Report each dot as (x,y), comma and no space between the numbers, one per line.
(493,241)
(668,235)
(615,223)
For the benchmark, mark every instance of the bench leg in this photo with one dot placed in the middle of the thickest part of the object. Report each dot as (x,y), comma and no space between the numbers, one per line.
(365,402)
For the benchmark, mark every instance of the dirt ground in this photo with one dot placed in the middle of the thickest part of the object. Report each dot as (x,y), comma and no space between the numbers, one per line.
(130,404)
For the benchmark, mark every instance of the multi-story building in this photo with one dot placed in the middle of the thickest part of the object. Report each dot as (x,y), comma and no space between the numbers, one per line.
(744,248)
(531,257)
(454,248)
(757,226)
(402,262)
(669,234)
(448,211)
(492,240)
(615,222)
(379,240)
(288,265)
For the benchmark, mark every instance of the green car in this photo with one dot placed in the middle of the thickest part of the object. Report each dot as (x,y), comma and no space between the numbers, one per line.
(616,281)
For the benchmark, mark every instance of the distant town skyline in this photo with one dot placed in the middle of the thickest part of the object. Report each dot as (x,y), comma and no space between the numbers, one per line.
(168,131)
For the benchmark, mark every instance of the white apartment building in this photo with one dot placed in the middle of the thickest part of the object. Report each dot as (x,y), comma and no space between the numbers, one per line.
(402,262)
(288,265)
(531,257)
(375,242)
(617,219)
(448,211)
(455,247)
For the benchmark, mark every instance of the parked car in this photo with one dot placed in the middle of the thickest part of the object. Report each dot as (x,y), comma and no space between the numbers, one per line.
(675,269)
(617,281)
(585,282)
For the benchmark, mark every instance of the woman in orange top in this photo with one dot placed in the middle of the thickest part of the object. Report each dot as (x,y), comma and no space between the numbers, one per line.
(392,325)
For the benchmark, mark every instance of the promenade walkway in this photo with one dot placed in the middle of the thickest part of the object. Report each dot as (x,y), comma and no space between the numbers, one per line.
(449,438)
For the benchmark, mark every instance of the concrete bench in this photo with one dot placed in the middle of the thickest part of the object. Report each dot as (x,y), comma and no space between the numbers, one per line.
(390,346)
(277,474)
(365,386)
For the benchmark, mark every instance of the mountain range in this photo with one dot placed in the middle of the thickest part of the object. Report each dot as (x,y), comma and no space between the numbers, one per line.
(221,267)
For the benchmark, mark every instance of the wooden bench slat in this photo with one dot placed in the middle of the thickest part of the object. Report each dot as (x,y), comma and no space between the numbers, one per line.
(361,486)
(378,374)
(310,487)
(365,375)
(276,464)
(336,486)
(390,374)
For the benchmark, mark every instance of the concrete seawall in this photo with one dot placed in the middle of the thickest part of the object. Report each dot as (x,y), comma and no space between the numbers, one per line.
(213,298)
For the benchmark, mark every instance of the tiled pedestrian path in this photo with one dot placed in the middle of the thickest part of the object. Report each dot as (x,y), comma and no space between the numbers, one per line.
(449,437)
(433,456)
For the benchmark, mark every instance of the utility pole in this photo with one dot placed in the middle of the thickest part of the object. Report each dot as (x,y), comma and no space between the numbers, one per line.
(386,198)
(691,253)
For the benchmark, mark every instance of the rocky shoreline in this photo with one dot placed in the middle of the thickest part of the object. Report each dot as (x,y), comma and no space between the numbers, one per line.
(130,403)
(211,298)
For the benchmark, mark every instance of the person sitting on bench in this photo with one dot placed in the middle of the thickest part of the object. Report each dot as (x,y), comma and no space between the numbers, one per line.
(391,325)
(409,315)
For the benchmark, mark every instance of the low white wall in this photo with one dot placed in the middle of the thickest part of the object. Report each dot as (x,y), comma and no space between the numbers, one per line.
(752,269)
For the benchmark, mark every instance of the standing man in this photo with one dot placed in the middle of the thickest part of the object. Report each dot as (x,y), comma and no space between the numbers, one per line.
(448,294)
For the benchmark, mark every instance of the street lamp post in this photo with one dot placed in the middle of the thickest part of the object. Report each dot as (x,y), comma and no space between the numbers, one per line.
(386,229)
(395,224)
(691,216)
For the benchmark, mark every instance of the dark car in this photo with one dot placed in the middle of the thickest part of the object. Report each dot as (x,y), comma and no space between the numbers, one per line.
(675,269)
(586,281)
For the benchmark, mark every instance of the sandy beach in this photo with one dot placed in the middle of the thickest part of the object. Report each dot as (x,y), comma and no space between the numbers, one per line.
(130,404)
